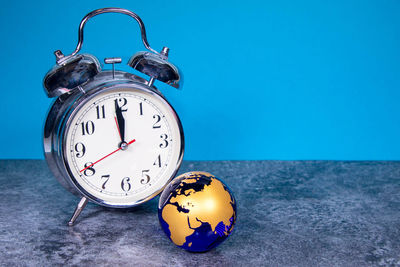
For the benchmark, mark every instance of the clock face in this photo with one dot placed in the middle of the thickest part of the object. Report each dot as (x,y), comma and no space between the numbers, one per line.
(122,146)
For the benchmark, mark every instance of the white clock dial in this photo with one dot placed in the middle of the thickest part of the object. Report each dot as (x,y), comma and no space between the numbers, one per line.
(122,146)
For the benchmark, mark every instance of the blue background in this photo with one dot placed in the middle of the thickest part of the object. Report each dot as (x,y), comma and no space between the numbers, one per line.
(263,79)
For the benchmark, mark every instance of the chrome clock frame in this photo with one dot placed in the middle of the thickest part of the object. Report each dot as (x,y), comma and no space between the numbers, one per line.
(63,111)
(77,78)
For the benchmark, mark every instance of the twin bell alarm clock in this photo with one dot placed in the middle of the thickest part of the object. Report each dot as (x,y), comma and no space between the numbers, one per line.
(110,136)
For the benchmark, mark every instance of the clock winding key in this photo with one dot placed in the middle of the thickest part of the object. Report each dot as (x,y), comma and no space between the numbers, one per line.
(113,61)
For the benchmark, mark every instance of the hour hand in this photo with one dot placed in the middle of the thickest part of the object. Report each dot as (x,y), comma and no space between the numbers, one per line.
(120,121)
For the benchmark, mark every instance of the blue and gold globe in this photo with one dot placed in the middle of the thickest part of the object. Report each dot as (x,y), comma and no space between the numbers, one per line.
(197,211)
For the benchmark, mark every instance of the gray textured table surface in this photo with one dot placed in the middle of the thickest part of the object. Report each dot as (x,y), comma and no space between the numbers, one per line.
(297,213)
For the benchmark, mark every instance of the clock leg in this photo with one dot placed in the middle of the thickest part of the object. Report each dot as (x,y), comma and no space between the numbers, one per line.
(78,210)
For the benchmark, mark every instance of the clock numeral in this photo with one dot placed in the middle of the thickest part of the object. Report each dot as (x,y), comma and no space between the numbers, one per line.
(125,185)
(105,177)
(164,138)
(121,102)
(158,119)
(80,150)
(89,171)
(158,161)
(101,112)
(140,108)
(87,128)
(145,177)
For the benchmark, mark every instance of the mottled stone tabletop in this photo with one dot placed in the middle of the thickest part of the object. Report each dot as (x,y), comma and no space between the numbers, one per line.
(296,213)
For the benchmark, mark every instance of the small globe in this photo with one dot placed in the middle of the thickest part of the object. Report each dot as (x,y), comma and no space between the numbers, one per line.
(197,211)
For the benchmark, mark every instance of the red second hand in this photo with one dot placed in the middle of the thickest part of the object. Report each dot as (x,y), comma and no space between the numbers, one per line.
(107,156)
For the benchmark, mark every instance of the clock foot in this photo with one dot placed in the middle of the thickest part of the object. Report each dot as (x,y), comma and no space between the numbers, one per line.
(78,210)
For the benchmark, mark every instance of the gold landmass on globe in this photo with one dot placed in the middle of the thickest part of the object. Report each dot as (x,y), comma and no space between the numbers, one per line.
(212,205)
(191,180)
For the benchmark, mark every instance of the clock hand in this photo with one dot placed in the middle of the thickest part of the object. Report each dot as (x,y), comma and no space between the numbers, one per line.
(122,147)
(120,121)
(119,132)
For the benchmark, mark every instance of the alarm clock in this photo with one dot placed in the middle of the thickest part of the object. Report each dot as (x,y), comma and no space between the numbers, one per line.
(110,136)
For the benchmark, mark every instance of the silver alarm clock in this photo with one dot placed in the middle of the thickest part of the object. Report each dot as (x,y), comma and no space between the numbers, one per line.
(110,136)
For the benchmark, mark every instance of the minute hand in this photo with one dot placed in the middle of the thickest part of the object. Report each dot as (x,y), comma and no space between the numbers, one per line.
(120,120)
